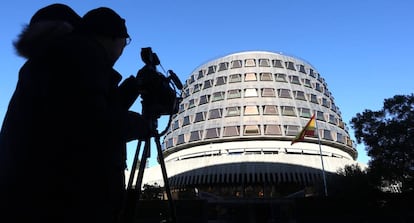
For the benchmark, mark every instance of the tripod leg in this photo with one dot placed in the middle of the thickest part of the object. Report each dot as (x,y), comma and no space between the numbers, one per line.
(165,177)
(142,165)
(132,195)
(134,166)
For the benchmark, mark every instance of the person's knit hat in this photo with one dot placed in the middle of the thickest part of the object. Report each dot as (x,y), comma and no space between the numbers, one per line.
(104,21)
(56,12)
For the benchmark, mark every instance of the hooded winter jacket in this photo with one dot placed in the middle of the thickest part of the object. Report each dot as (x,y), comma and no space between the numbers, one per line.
(64,135)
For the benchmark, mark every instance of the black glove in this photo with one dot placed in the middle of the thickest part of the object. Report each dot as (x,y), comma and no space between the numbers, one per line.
(129,90)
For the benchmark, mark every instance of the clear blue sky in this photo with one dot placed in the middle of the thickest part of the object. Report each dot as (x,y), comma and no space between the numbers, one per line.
(363,49)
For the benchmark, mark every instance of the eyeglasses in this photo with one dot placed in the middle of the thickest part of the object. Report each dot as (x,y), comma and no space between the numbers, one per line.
(127,41)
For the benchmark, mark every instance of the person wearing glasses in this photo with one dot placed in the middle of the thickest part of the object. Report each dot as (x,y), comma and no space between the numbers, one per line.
(68,138)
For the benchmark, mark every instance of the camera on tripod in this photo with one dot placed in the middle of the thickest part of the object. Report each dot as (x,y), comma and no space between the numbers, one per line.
(159,97)
(158,92)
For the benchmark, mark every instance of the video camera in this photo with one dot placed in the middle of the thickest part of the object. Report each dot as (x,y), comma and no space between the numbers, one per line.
(158,92)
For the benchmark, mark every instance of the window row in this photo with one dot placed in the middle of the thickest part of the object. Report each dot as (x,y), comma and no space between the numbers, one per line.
(262,62)
(255,110)
(279,77)
(251,130)
(255,92)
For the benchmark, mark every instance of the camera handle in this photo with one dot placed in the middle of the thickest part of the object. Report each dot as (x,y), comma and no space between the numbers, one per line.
(133,196)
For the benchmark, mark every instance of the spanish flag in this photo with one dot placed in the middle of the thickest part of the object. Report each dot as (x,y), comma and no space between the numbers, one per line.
(308,130)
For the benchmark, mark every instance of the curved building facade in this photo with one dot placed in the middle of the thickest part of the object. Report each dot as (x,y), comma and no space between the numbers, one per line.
(232,135)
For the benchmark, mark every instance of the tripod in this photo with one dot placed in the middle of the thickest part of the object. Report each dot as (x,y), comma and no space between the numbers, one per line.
(133,196)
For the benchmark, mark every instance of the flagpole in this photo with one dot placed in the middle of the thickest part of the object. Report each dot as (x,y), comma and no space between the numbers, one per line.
(323,167)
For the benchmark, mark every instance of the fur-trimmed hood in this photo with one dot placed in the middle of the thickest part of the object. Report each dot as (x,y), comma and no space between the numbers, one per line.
(35,37)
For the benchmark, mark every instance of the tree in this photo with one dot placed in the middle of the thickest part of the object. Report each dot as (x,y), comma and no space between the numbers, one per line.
(152,192)
(388,135)
(351,182)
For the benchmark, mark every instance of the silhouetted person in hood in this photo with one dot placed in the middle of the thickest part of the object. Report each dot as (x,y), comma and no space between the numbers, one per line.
(63,140)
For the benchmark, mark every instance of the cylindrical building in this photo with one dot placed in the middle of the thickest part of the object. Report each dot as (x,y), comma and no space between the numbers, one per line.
(239,113)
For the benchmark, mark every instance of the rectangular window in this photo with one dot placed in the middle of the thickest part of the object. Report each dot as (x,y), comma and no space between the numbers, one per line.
(272,130)
(250,63)
(233,111)
(284,93)
(233,78)
(250,92)
(218,96)
(180,139)
(251,110)
(320,116)
(290,65)
(266,77)
(300,95)
(333,120)
(291,130)
(170,143)
(204,99)
(251,130)
(264,63)
(270,110)
(208,84)
(333,107)
(212,133)
(250,77)
(307,83)
(236,64)
(200,74)
(294,79)
(221,81)
(268,92)
(231,131)
(197,87)
(302,68)
(200,116)
(313,98)
(211,69)
(304,112)
(326,91)
(235,93)
(281,77)
(192,103)
(223,66)
(325,102)
(195,135)
(185,93)
(176,125)
(312,73)
(215,113)
(186,120)
(181,108)
(327,134)
(288,110)
(340,138)
(277,63)
(318,87)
